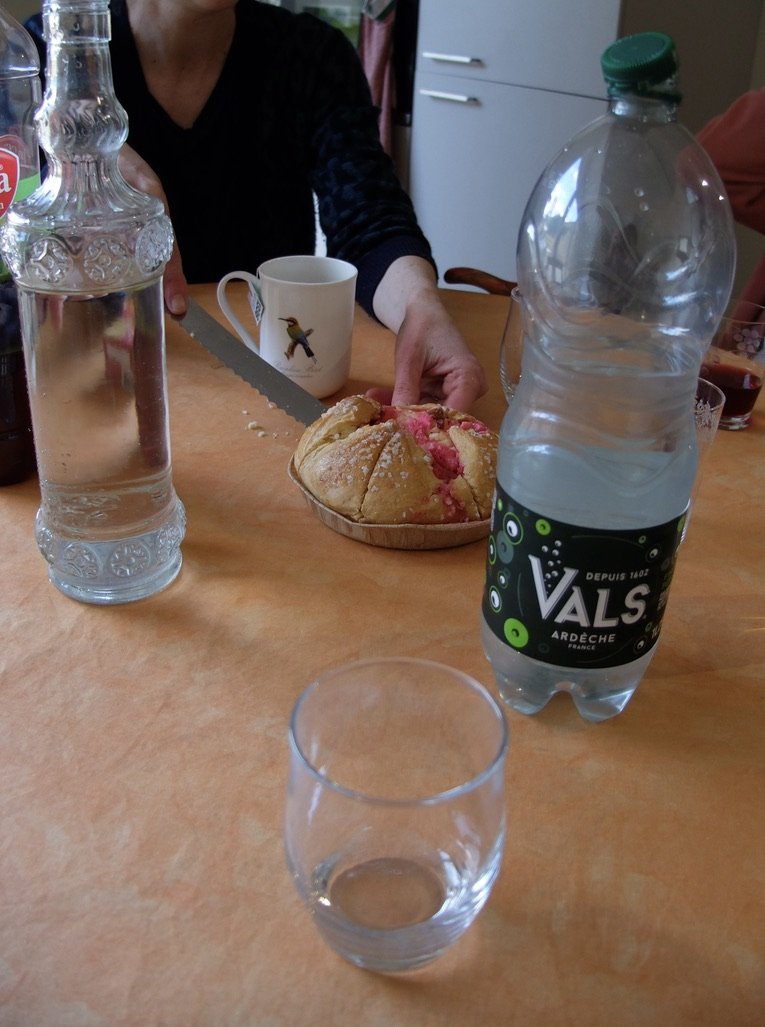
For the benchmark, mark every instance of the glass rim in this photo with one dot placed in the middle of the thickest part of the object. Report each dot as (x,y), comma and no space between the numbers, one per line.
(447,795)
(741,314)
(744,312)
(712,387)
(281,270)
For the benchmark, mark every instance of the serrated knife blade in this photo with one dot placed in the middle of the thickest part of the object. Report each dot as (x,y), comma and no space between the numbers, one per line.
(251,367)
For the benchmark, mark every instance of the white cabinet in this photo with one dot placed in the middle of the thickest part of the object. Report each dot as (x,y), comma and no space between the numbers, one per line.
(547,44)
(500,85)
(473,164)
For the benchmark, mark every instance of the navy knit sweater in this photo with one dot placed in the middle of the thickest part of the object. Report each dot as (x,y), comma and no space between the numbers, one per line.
(290,115)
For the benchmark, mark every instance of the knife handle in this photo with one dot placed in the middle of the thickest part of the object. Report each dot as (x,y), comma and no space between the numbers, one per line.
(481,279)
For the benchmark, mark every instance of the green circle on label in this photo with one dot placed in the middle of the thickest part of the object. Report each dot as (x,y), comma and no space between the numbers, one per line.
(543,527)
(516,633)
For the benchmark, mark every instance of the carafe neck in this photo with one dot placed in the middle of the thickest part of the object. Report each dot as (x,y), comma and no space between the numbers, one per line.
(80,119)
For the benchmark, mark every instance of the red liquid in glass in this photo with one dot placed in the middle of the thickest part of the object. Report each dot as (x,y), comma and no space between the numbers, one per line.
(740,386)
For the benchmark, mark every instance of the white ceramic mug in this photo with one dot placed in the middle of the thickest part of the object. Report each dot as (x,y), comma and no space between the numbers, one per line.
(304,306)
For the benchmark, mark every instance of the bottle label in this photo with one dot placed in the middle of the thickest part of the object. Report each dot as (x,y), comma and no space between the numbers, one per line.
(12,186)
(9,174)
(572,596)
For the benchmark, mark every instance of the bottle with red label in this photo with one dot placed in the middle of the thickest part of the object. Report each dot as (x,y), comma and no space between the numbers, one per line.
(19,176)
(625,263)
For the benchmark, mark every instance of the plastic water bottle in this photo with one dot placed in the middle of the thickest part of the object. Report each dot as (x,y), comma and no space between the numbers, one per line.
(19,176)
(87,253)
(626,256)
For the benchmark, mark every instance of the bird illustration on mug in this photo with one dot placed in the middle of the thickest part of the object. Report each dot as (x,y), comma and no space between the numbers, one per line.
(298,337)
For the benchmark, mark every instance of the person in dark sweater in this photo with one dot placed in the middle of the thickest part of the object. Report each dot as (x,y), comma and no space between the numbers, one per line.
(239,112)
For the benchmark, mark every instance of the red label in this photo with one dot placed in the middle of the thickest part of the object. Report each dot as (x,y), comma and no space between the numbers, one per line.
(9,173)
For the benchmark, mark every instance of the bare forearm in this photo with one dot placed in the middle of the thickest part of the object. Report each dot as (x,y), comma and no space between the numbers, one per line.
(432,362)
(408,281)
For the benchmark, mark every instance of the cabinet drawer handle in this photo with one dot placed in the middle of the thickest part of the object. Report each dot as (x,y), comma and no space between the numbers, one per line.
(454,97)
(451,58)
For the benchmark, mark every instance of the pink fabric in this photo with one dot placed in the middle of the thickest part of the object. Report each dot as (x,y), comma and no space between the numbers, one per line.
(375,50)
(735,140)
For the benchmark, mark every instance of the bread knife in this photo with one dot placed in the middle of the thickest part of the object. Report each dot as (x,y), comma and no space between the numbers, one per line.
(251,367)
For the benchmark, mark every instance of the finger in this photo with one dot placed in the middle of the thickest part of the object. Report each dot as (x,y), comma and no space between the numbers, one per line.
(384,396)
(404,396)
(175,286)
(461,392)
(408,384)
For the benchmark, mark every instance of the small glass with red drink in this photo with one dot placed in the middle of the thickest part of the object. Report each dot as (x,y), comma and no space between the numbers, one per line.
(736,362)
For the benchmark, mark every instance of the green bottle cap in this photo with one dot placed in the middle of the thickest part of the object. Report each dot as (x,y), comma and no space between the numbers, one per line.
(637,64)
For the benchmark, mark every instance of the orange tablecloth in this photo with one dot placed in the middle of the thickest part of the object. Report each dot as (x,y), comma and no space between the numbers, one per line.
(143,760)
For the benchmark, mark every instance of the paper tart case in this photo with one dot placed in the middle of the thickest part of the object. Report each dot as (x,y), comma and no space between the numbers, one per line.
(394,536)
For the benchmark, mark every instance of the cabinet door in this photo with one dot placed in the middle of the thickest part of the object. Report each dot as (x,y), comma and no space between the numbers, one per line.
(478,149)
(550,44)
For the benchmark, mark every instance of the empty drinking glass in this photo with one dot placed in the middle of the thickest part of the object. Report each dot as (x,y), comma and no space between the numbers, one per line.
(395,817)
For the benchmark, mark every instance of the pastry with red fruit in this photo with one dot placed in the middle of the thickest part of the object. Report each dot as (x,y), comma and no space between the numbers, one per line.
(377,464)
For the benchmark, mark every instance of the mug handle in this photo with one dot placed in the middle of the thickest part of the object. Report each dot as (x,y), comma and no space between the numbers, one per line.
(256,304)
